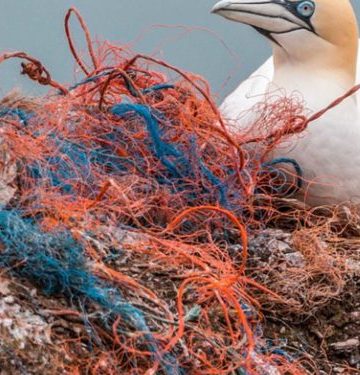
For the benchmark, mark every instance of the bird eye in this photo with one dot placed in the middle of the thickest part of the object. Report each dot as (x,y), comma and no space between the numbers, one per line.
(306,8)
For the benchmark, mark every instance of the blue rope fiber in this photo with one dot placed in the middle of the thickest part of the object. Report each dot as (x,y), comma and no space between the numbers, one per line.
(71,164)
(74,162)
(271,347)
(129,86)
(294,163)
(223,189)
(89,80)
(162,150)
(56,262)
(162,86)
(174,160)
(22,115)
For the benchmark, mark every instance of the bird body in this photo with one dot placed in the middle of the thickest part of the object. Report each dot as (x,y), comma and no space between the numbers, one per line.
(315,54)
(258,85)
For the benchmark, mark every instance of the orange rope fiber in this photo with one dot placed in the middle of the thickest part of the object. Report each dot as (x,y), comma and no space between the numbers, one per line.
(146,175)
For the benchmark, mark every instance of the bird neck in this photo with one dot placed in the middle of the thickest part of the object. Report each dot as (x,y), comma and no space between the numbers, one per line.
(318,65)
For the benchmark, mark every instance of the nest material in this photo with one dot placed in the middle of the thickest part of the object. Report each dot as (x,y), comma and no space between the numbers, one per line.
(126,198)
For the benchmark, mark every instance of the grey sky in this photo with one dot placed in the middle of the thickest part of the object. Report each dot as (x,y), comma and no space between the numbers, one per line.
(36,26)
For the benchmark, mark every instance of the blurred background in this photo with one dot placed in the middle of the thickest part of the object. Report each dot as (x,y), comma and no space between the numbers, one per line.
(182,32)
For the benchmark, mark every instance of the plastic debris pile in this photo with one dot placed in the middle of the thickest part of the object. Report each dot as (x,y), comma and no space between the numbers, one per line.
(128,195)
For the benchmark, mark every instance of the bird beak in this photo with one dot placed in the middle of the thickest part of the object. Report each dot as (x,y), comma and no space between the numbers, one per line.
(267,16)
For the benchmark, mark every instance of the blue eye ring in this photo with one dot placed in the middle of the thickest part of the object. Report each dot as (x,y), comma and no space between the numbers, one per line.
(306,8)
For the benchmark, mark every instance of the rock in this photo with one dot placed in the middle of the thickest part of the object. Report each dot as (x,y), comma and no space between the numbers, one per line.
(353,266)
(263,367)
(270,243)
(9,300)
(8,173)
(295,259)
(6,193)
(21,326)
(355,316)
(339,370)
(346,346)
(4,287)
(355,359)
(279,246)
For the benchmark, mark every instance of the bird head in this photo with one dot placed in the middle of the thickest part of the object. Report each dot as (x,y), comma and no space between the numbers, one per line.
(301,29)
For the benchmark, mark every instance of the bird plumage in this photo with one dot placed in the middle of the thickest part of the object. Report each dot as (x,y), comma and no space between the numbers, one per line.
(314,58)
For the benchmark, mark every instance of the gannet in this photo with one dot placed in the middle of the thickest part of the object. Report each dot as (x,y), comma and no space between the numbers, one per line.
(315,54)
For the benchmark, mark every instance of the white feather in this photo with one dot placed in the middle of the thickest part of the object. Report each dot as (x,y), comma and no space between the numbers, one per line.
(328,151)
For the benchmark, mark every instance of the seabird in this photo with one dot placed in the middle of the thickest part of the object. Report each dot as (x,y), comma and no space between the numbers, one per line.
(315,54)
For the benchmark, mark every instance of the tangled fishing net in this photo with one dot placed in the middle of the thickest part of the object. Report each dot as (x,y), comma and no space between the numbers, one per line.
(127,195)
